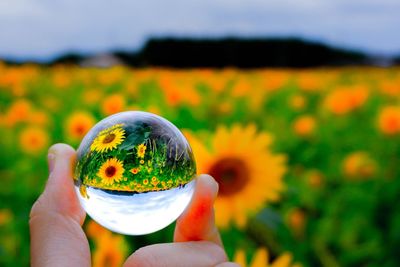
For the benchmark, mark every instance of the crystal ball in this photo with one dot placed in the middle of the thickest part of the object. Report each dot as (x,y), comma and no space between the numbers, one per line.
(134,173)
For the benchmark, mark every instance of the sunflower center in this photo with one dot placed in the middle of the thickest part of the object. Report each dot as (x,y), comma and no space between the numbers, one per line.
(231,174)
(80,129)
(109,138)
(110,171)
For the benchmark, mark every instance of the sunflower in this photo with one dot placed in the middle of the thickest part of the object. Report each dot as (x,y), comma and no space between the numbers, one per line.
(261,259)
(110,250)
(135,170)
(304,125)
(359,165)
(108,139)
(113,104)
(78,124)
(389,120)
(248,174)
(141,150)
(111,171)
(33,140)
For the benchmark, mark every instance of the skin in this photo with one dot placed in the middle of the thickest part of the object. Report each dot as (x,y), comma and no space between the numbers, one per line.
(57,237)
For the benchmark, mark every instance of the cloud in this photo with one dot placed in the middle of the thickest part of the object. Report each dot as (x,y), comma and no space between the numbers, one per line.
(44,28)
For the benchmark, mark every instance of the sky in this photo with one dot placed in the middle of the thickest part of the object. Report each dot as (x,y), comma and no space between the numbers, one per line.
(44,29)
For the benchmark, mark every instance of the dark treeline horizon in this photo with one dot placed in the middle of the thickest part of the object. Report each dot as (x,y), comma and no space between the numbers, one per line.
(232,52)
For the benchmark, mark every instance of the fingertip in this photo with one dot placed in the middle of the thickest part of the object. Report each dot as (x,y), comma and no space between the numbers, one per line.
(61,158)
(61,149)
(198,222)
(207,183)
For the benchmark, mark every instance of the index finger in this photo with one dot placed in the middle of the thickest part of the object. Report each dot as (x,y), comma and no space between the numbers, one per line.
(197,223)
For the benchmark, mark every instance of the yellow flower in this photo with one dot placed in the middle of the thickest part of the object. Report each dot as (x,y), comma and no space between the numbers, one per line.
(78,124)
(248,174)
(111,171)
(108,139)
(304,125)
(359,165)
(6,216)
(33,140)
(343,100)
(135,170)
(261,259)
(296,219)
(141,151)
(110,250)
(83,191)
(95,230)
(389,120)
(113,104)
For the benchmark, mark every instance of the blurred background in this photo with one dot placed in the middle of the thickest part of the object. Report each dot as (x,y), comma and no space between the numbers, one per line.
(293,107)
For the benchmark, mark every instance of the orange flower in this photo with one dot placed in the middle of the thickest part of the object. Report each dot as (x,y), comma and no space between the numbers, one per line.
(78,124)
(6,216)
(93,229)
(19,111)
(110,250)
(275,79)
(92,96)
(391,88)
(359,165)
(304,125)
(389,120)
(347,99)
(297,102)
(39,118)
(113,104)
(309,81)
(296,220)
(261,259)
(314,178)
(135,170)
(33,139)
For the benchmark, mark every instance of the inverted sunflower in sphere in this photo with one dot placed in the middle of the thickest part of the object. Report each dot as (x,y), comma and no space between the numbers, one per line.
(111,171)
(108,139)
(247,172)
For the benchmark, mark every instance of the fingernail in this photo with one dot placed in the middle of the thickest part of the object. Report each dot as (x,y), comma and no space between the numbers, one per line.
(51,160)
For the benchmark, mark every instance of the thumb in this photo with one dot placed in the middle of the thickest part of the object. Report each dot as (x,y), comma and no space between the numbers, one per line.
(59,195)
(57,238)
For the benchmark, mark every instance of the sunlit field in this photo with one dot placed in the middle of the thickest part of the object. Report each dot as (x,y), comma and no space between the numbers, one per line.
(307,161)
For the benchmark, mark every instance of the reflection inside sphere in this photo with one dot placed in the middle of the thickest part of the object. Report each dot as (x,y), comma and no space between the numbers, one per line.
(134,173)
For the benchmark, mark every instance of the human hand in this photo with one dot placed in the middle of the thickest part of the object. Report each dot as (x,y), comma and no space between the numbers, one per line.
(57,237)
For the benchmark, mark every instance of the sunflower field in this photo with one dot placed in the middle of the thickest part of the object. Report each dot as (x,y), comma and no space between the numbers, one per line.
(307,161)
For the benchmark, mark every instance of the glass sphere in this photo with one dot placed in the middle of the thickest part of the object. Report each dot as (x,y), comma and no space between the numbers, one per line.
(134,173)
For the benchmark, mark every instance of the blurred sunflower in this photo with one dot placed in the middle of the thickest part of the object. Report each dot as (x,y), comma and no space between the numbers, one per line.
(33,139)
(248,174)
(6,216)
(111,171)
(296,220)
(108,139)
(343,100)
(261,259)
(110,250)
(78,124)
(304,125)
(19,111)
(359,165)
(389,120)
(113,104)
